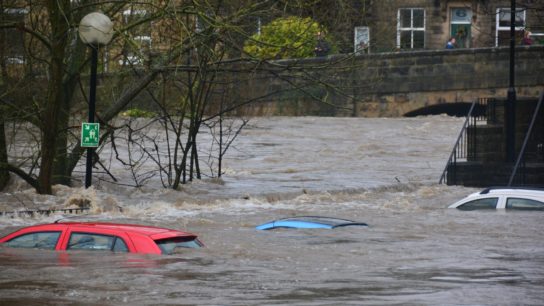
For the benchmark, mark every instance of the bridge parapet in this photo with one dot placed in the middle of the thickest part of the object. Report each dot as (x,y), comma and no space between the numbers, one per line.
(391,84)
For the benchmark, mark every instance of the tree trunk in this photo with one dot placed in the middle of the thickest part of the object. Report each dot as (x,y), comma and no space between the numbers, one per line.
(4,174)
(55,97)
(62,170)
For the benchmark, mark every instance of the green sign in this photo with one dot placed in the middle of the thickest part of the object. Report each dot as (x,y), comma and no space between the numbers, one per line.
(90,134)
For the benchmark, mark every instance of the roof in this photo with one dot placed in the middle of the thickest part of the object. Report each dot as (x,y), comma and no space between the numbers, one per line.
(509,192)
(309,222)
(134,228)
(513,190)
(152,231)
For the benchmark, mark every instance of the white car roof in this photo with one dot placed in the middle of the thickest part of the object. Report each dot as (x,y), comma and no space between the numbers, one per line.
(535,193)
(512,191)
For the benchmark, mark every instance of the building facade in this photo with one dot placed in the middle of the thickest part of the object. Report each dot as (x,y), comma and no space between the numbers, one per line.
(428,24)
(377,26)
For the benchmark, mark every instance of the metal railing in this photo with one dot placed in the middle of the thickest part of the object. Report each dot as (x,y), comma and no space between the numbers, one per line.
(465,146)
(521,156)
(43,212)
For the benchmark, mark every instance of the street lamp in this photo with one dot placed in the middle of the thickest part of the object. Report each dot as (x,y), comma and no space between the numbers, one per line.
(510,107)
(95,30)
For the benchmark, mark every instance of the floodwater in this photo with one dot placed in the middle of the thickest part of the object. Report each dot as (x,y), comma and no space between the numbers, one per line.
(380,171)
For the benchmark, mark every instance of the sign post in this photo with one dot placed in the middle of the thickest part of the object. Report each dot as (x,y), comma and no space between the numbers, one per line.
(361,40)
(95,30)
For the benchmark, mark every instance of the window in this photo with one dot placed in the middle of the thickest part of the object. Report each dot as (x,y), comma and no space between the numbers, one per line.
(411,28)
(486,203)
(86,241)
(524,204)
(138,47)
(14,48)
(502,35)
(39,240)
(168,246)
(460,27)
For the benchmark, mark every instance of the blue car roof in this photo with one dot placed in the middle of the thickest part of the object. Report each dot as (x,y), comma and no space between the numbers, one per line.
(309,222)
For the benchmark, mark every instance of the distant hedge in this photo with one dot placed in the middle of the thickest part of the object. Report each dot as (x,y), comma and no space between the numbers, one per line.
(289,37)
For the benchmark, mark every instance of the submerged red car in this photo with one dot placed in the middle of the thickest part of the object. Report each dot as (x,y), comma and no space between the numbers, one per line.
(129,238)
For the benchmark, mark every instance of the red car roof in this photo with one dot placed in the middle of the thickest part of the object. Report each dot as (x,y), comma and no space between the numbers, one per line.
(146,230)
(150,231)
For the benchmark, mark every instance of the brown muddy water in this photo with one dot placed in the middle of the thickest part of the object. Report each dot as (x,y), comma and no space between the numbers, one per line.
(380,171)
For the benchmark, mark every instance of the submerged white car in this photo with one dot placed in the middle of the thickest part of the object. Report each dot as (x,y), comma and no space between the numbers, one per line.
(503,198)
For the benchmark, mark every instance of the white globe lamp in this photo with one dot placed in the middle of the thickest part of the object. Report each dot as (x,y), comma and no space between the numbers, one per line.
(96,29)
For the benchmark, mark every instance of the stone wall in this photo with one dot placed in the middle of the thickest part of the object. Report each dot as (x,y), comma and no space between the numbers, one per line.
(387,84)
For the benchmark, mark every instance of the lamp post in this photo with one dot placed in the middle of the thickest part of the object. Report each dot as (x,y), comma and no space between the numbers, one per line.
(510,107)
(95,30)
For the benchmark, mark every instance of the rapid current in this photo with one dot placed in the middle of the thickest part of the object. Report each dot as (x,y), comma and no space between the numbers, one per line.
(380,171)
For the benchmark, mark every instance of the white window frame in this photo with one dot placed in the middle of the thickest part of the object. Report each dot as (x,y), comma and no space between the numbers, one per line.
(21,11)
(131,12)
(143,38)
(132,58)
(411,28)
(17,59)
(498,28)
(460,22)
(468,22)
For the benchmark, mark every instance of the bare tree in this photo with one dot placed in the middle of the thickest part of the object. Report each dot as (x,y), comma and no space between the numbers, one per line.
(190,79)
(55,57)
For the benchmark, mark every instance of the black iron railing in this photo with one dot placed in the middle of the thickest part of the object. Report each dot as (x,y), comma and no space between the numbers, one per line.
(520,162)
(465,146)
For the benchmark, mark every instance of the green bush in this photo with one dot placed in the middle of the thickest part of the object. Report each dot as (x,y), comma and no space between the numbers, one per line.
(138,113)
(289,37)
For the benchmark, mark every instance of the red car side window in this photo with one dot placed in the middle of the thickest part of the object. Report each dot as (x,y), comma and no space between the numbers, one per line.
(38,240)
(91,241)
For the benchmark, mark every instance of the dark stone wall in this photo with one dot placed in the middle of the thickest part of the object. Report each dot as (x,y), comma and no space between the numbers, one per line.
(387,84)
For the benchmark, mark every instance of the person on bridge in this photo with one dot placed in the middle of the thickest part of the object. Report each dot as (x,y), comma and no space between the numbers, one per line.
(451,43)
(322,47)
(526,40)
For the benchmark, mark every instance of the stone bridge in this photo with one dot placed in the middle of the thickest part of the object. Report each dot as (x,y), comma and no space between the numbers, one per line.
(389,84)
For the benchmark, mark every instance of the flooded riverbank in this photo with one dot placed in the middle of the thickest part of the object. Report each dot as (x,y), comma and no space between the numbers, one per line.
(380,171)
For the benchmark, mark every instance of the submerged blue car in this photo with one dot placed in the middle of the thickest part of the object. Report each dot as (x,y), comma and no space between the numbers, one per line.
(309,222)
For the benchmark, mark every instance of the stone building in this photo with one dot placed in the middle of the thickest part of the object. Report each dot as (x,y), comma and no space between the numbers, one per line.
(371,26)
(428,24)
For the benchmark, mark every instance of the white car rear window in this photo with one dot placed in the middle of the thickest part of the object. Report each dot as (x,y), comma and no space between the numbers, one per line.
(524,204)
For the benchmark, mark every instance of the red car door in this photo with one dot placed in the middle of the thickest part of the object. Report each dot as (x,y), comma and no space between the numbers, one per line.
(91,238)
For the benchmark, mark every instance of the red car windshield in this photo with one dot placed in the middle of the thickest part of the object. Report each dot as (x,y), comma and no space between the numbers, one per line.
(169,245)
